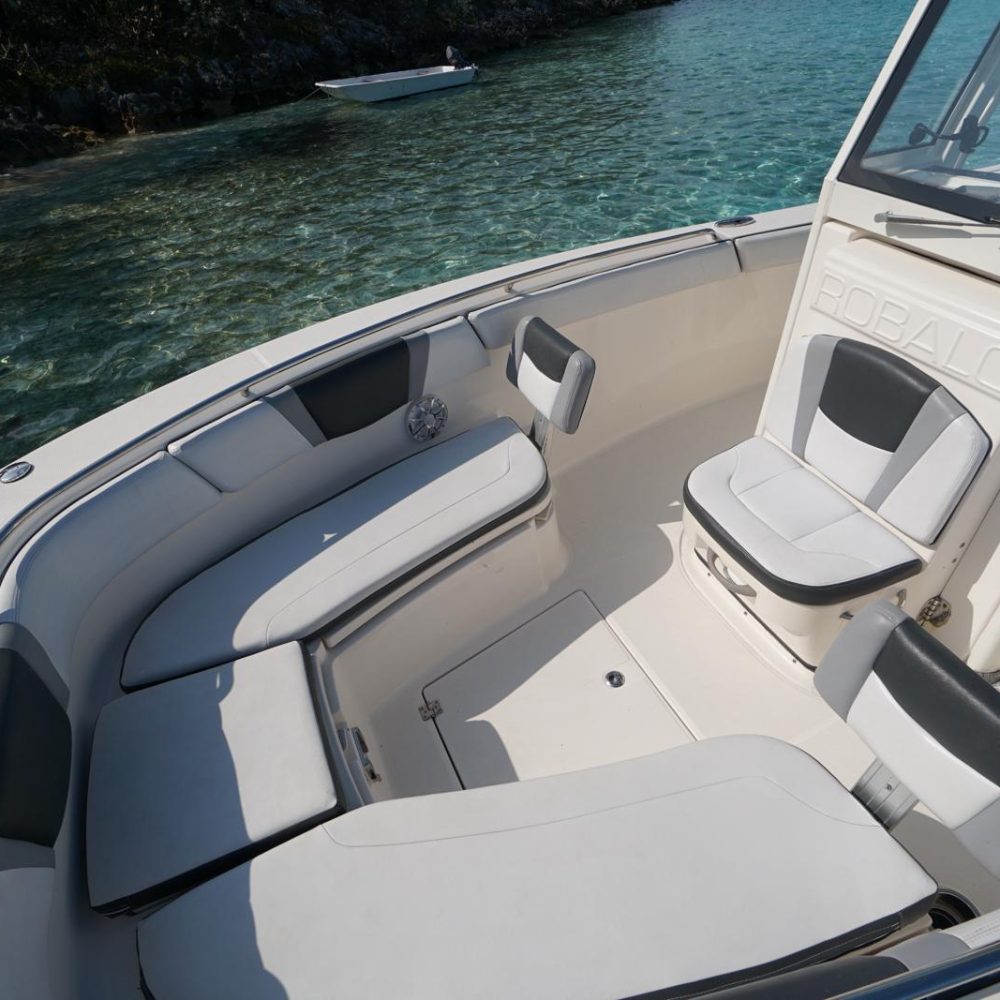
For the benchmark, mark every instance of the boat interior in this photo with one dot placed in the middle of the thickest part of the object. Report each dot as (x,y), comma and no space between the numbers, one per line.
(499,639)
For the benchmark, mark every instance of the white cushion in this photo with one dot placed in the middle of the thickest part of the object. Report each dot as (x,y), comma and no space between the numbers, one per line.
(791,529)
(200,770)
(240,447)
(608,882)
(321,564)
(924,498)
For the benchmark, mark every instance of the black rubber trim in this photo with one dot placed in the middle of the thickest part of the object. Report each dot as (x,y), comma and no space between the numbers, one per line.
(819,982)
(548,349)
(950,702)
(873,395)
(834,948)
(791,591)
(188,880)
(35,751)
(354,395)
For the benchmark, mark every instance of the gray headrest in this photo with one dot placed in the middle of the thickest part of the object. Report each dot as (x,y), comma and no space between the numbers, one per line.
(553,373)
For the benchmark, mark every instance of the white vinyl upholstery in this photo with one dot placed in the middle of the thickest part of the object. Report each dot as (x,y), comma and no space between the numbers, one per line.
(202,769)
(319,565)
(957,792)
(880,428)
(876,426)
(808,537)
(552,372)
(238,448)
(953,459)
(850,463)
(609,882)
(933,721)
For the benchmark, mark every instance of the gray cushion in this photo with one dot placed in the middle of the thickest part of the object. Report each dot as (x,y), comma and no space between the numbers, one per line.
(198,772)
(608,882)
(797,534)
(321,564)
(552,372)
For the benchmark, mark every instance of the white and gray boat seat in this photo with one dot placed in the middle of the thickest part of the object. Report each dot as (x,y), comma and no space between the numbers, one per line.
(600,883)
(365,541)
(551,371)
(927,715)
(883,431)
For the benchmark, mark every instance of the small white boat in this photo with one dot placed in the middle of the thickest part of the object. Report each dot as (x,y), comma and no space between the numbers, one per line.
(389,86)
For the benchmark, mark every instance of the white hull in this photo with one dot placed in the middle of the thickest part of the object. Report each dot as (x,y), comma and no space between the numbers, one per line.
(309,683)
(390,86)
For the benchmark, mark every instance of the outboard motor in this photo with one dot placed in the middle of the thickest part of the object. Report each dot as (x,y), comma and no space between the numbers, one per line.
(455,58)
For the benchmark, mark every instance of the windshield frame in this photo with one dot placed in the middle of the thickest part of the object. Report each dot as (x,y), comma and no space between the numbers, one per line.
(853,172)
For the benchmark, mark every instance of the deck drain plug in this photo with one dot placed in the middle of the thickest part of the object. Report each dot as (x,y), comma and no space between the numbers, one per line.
(614,678)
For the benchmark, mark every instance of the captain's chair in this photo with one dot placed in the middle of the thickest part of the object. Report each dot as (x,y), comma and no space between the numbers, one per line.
(850,431)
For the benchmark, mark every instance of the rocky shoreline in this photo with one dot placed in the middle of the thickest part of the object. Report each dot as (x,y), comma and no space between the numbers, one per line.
(72,78)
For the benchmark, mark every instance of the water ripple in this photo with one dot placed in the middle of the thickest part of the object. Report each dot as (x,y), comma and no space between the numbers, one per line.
(127,267)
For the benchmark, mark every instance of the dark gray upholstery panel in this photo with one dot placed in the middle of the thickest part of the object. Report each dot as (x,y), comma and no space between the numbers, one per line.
(873,395)
(950,702)
(357,393)
(35,741)
(817,982)
(552,372)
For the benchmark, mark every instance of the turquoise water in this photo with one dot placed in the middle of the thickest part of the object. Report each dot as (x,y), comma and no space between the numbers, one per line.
(123,269)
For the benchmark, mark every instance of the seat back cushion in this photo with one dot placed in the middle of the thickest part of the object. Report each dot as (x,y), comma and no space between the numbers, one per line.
(929,717)
(880,428)
(551,371)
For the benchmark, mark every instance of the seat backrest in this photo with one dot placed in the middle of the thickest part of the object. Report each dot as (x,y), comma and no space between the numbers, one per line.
(551,371)
(880,428)
(929,717)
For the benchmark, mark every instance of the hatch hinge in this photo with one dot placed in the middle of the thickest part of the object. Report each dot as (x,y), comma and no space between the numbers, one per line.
(936,612)
(431,710)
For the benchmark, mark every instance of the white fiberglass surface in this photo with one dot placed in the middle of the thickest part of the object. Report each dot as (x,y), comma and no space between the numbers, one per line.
(620,514)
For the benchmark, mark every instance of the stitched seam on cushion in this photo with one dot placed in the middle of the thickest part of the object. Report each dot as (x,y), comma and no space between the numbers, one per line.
(732,476)
(611,809)
(806,534)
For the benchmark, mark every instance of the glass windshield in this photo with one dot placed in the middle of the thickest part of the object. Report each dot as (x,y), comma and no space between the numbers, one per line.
(934,138)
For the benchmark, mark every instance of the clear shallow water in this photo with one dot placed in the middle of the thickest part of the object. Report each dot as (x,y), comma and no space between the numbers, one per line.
(123,269)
